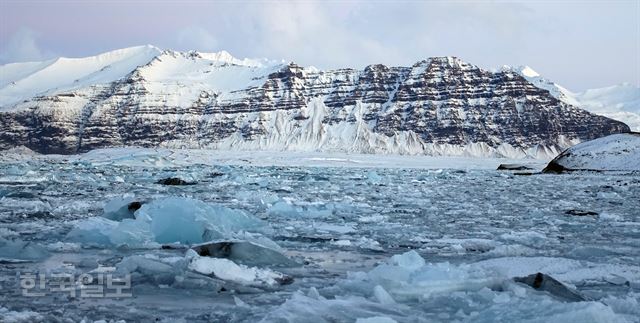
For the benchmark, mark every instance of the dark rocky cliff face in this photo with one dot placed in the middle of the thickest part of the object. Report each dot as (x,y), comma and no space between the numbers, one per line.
(439,102)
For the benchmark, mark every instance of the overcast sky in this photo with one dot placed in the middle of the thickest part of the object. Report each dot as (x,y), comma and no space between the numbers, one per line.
(578,44)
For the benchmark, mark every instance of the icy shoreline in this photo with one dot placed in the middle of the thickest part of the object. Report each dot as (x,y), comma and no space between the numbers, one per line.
(165,157)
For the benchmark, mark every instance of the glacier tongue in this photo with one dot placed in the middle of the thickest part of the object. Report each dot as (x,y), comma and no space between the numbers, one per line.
(287,134)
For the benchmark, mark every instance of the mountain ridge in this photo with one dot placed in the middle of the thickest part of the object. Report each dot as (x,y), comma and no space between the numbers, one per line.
(619,102)
(437,106)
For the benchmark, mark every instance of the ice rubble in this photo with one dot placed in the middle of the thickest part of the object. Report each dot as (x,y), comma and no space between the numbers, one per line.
(194,270)
(288,209)
(313,308)
(408,276)
(407,288)
(8,316)
(166,220)
(376,319)
(230,253)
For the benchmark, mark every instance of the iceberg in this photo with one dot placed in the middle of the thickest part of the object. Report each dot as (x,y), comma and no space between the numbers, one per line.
(184,220)
(168,220)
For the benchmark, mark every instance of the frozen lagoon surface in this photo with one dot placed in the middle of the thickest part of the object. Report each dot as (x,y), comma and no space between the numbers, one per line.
(369,238)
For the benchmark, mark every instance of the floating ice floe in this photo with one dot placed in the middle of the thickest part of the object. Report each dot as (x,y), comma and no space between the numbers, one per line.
(408,277)
(313,308)
(187,221)
(550,285)
(289,209)
(259,252)
(195,270)
(374,178)
(228,270)
(376,319)
(14,251)
(363,243)
(166,220)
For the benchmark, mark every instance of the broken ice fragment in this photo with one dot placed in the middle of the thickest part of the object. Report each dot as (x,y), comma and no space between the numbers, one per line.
(21,251)
(121,208)
(548,284)
(228,270)
(244,252)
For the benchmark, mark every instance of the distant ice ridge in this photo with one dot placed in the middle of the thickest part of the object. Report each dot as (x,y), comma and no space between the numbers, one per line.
(620,102)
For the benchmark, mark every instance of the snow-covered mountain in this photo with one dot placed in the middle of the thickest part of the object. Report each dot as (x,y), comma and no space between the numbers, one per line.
(620,102)
(618,152)
(144,96)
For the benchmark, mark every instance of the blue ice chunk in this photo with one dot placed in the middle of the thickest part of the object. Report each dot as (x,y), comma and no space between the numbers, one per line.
(167,220)
(21,251)
(184,220)
(118,208)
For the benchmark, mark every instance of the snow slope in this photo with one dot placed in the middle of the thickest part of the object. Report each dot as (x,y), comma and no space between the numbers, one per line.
(620,152)
(619,102)
(25,80)
(20,81)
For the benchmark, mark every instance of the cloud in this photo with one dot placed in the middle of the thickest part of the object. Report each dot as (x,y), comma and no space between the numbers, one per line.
(581,47)
(22,46)
(312,33)
(196,38)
